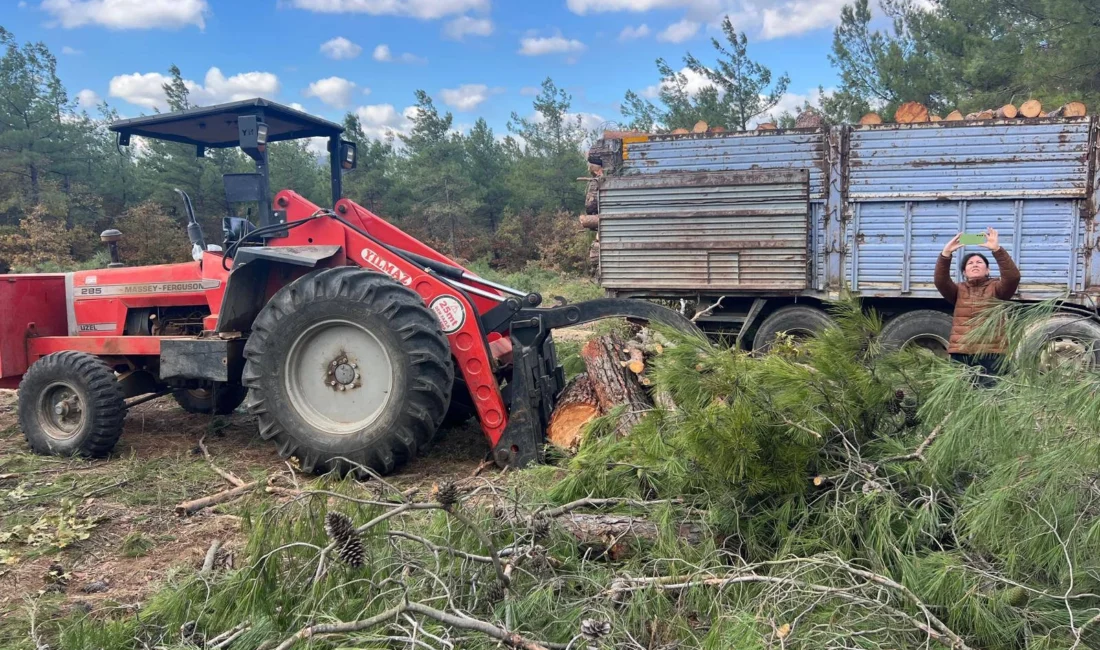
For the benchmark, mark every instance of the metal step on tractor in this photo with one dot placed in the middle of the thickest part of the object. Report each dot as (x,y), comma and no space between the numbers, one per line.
(349,340)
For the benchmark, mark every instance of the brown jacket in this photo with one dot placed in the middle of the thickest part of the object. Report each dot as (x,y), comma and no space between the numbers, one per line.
(973,296)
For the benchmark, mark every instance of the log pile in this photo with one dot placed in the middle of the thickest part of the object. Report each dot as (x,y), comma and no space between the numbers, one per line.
(615,377)
(915,112)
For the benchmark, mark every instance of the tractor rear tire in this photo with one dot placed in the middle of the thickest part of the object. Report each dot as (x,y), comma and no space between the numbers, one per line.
(799,321)
(71,404)
(345,368)
(222,399)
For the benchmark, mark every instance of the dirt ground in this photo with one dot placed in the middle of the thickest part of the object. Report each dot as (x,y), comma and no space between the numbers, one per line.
(125,505)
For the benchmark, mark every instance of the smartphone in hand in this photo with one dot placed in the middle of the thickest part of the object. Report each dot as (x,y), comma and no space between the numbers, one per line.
(972,240)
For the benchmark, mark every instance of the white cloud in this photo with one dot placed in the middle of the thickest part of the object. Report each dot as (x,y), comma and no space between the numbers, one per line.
(298,107)
(333,91)
(366,91)
(762,19)
(87,98)
(679,32)
(380,121)
(423,9)
(340,48)
(799,17)
(22,4)
(147,89)
(128,14)
(464,26)
(530,91)
(467,96)
(630,32)
(71,51)
(557,44)
(789,102)
(695,83)
(383,53)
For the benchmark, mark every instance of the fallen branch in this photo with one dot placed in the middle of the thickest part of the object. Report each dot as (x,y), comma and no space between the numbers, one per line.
(191,507)
(708,310)
(922,447)
(596,503)
(229,476)
(211,554)
(510,639)
(225,638)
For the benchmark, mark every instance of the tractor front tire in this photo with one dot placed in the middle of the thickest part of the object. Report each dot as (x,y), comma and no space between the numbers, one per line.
(347,367)
(71,404)
(222,399)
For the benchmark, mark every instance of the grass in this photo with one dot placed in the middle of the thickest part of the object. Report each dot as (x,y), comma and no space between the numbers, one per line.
(136,544)
(547,283)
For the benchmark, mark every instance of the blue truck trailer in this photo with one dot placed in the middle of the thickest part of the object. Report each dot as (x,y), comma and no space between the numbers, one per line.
(771,224)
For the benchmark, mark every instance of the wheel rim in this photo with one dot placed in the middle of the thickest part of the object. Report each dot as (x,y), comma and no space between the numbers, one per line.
(937,345)
(61,411)
(199,393)
(1066,351)
(339,377)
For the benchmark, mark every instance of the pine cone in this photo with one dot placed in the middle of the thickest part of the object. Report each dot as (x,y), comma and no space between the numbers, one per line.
(447,494)
(349,546)
(540,528)
(894,406)
(593,630)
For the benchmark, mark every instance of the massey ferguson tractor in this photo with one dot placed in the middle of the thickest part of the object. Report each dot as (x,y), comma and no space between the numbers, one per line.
(350,340)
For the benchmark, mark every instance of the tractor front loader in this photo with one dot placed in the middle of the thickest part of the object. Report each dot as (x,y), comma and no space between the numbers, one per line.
(349,340)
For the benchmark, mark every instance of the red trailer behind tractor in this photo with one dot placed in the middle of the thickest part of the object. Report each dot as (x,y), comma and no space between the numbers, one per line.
(349,339)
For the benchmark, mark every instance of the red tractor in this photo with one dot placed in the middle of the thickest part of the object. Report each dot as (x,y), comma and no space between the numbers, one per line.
(350,340)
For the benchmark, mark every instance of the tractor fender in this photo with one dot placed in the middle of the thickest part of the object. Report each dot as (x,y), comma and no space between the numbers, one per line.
(246,288)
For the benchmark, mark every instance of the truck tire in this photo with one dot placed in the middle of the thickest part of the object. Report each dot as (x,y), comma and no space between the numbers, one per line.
(347,363)
(925,328)
(1063,338)
(70,403)
(798,320)
(218,400)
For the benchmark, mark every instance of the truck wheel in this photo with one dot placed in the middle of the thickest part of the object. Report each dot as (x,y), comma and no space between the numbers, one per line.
(71,404)
(1063,339)
(800,321)
(923,328)
(347,363)
(219,400)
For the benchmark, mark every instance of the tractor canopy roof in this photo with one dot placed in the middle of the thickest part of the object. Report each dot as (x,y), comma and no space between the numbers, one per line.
(216,126)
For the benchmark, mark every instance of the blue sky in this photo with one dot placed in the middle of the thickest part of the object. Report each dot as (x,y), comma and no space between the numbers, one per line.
(475,57)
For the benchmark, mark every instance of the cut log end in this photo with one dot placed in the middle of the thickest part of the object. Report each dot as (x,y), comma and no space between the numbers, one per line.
(700,127)
(1006,112)
(808,119)
(766,126)
(911,113)
(1031,108)
(590,221)
(576,407)
(953,116)
(871,118)
(680,131)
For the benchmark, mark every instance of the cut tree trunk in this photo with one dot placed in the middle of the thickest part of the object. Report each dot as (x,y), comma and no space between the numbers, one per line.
(1006,112)
(614,385)
(614,536)
(953,116)
(717,129)
(935,118)
(1031,108)
(700,127)
(766,126)
(577,406)
(987,114)
(808,119)
(871,118)
(1072,109)
(911,112)
(590,221)
(680,131)
(636,364)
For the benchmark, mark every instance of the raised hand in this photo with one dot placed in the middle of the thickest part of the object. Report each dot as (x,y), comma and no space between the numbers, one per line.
(992,239)
(952,246)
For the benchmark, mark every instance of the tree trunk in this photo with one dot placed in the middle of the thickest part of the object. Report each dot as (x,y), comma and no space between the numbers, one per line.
(871,118)
(32,170)
(1031,108)
(577,406)
(987,114)
(614,535)
(1072,109)
(680,131)
(614,385)
(1006,112)
(766,126)
(911,112)
(590,221)
(808,119)
(700,127)
(953,116)
(592,199)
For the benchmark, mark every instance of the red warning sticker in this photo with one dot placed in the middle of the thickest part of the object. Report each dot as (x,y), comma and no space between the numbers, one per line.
(450,312)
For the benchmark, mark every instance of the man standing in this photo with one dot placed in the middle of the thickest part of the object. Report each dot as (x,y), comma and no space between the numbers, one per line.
(974,295)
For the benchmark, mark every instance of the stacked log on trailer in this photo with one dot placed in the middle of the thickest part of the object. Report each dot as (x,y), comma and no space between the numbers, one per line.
(915,112)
